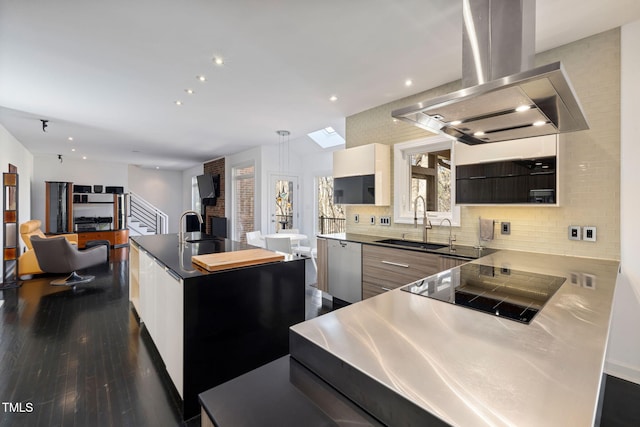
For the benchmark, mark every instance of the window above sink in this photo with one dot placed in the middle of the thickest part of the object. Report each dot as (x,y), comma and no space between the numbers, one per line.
(425,168)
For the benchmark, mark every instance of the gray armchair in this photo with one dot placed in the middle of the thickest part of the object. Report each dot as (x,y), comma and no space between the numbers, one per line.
(57,255)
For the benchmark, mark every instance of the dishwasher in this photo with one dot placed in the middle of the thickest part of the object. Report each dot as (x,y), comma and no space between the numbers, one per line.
(345,270)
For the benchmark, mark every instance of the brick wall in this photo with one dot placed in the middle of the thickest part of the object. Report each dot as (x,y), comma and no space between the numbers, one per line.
(215,167)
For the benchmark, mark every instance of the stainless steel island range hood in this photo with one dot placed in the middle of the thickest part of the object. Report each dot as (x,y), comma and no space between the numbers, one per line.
(504,98)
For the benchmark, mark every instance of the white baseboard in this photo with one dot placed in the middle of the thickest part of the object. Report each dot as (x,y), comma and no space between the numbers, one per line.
(620,370)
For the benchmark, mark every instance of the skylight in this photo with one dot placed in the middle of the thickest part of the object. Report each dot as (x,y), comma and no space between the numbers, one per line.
(326,137)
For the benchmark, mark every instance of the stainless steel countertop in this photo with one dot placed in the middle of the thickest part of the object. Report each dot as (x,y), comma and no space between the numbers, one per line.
(471,368)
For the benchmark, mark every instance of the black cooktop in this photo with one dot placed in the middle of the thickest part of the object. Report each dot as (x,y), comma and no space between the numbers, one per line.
(512,294)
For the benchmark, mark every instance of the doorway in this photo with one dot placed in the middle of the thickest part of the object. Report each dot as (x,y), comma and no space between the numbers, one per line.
(284,198)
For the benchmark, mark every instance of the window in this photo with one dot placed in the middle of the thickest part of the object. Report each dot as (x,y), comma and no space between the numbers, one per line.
(243,201)
(195,194)
(425,169)
(331,217)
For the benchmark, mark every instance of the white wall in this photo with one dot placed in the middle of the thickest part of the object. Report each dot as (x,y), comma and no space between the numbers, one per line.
(162,188)
(187,175)
(623,357)
(313,165)
(12,151)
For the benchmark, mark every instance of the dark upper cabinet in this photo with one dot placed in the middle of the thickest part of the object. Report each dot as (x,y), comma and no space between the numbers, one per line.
(354,190)
(521,181)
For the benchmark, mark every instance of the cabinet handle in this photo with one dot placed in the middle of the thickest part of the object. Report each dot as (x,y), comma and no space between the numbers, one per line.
(397,264)
(477,177)
(173,275)
(384,289)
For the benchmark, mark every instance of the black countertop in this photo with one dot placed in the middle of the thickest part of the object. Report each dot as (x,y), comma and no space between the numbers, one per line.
(458,251)
(165,248)
(282,393)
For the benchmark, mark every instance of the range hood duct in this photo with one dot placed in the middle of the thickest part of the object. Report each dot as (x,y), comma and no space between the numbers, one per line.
(504,97)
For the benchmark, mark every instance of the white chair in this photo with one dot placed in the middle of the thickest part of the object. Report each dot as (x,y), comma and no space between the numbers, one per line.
(280,244)
(310,251)
(254,238)
(291,231)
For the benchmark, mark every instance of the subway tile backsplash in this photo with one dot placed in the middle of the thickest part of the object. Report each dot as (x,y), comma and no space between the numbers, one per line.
(589,164)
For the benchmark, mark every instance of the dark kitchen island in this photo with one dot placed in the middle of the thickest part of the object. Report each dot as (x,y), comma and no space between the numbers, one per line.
(210,327)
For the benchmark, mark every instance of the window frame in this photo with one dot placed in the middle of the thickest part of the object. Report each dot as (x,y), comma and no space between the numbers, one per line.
(402,151)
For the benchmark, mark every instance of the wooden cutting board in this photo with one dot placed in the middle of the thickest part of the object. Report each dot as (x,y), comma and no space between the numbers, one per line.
(226,260)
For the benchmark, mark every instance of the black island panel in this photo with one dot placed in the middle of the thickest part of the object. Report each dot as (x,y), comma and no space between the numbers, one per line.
(238,322)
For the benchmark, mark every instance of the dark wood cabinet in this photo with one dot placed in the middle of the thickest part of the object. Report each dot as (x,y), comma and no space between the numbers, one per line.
(507,182)
(10,243)
(58,207)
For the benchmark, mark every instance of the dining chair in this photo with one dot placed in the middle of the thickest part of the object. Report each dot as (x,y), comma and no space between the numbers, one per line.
(310,251)
(291,231)
(254,238)
(280,244)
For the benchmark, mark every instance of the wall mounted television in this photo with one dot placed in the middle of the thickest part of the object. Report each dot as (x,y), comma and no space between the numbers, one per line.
(209,186)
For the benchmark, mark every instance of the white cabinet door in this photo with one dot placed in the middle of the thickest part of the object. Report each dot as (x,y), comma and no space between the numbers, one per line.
(162,312)
(173,318)
(527,148)
(134,276)
(146,287)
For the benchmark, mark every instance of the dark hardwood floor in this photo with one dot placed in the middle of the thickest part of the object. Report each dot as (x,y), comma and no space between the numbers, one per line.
(77,358)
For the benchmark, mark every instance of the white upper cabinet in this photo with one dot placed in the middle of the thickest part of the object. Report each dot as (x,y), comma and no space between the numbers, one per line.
(528,148)
(371,159)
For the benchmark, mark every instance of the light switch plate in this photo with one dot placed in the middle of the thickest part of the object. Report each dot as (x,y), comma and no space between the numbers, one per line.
(385,220)
(372,220)
(505,228)
(574,232)
(356,218)
(589,234)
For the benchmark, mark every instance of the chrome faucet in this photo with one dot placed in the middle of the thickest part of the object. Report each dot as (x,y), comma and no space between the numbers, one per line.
(181,238)
(451,239)
(425,222)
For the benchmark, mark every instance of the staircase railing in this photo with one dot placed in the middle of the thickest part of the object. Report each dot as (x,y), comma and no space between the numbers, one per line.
(147,214)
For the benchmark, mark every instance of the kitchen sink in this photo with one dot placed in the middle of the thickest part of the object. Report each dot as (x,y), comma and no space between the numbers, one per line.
(197,236)
(412,244)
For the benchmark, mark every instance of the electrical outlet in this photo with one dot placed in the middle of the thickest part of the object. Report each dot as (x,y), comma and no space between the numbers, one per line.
(385,220)
(589,234)
(356,218)
(505,228)
(574,232)
(372,220)
(588,281)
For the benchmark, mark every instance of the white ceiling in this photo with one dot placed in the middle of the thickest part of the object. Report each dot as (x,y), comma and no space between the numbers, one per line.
(108,73)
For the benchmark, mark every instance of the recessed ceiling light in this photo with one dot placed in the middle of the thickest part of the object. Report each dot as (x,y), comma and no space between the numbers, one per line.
(333,98)
(84,157)
(479,133)
(189,91)
(73,149)
(201,78)
(539,123)
(178,102)
(70,138)
(523,108)
(157,167)
(455,122)
(408,82)
(218,60)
